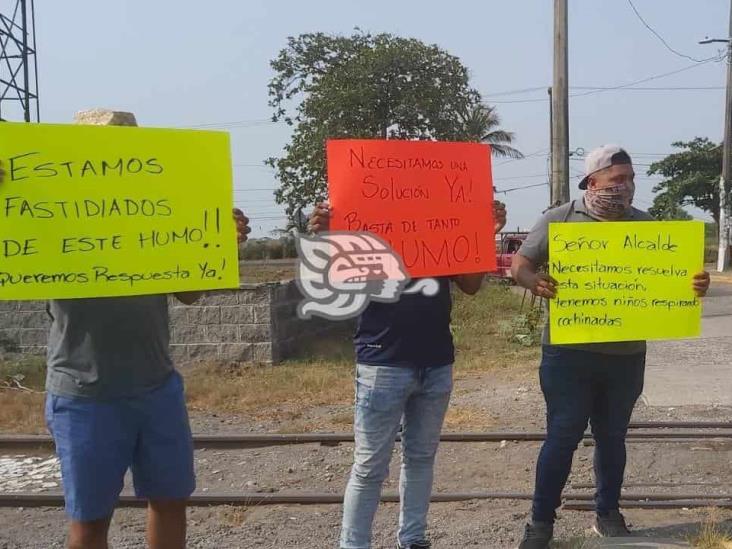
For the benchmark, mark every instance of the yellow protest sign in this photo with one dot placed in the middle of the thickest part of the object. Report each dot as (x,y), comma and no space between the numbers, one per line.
(94,211)
(625,281)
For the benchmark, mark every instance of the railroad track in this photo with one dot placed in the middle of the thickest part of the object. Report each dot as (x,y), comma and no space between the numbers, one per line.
(573,501)
(652,431)
(639,432)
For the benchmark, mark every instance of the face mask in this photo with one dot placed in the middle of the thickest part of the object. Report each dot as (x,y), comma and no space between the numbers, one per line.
(610,202)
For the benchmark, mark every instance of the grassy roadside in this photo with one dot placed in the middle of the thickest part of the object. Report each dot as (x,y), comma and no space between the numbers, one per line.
(322,376)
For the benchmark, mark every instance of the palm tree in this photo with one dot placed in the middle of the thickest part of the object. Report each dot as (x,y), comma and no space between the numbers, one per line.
(296,223)
(481,124)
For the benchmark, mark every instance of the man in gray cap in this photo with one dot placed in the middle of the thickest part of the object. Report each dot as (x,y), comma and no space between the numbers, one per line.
(599,382)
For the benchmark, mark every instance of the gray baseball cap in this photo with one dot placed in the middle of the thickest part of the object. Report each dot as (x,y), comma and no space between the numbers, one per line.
(603,157)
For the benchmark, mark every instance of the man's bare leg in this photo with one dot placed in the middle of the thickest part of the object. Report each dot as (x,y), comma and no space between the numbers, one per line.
(89,535)
(166,524)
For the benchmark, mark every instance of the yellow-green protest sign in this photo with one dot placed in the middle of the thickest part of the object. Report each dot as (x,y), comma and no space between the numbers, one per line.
(625,281)
(95,211)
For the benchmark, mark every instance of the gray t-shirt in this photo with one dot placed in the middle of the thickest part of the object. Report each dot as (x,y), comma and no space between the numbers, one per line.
(108,348)
(536,248)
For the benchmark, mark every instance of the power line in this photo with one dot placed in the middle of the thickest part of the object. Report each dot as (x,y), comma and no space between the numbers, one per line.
(519,177)
(602,89)
(627,88)
(651,88)
(530,155)
(669,48)
(517,92)
(644,80)
(512,189)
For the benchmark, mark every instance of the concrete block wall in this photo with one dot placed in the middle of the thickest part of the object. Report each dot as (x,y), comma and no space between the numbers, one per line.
(228,326)
(256,323)
(23,326)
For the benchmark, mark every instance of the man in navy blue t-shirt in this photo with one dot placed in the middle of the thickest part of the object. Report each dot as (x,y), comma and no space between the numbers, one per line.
(404,356)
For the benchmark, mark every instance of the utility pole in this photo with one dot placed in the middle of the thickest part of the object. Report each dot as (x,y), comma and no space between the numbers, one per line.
(552,199)
(725,212)
(560,107)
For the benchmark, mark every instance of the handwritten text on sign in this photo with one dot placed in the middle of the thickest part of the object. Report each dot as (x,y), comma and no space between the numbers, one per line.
(625,281)
(433,202)
(90,211)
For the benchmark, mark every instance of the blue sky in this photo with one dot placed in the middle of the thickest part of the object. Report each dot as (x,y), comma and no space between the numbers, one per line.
(183,63)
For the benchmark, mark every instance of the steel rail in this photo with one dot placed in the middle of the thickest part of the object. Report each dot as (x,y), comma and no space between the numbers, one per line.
(333,439)
(573,501)
(655,504)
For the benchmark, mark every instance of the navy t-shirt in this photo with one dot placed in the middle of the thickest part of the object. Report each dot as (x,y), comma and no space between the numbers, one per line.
(414,331)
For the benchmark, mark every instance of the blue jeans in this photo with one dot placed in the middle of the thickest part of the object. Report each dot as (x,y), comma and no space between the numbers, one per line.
(385,395)
(579,386)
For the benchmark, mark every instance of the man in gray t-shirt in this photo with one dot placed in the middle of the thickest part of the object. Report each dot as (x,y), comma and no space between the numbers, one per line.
(108,348)
(599,382)
(114,402)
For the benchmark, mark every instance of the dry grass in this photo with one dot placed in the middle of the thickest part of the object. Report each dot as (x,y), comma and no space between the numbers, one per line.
(264,391)
(230,516)
(257,388)
(21,410)
(711,535)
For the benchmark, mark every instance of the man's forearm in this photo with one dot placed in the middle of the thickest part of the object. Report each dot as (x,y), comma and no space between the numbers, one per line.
(524,277)
(523,272)
(469,283)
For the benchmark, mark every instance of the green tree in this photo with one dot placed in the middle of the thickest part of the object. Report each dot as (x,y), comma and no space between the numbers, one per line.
(481,123)
(666,208)
(691,179)
(365,86)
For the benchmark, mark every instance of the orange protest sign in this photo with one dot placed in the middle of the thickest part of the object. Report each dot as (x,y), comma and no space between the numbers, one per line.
(432,201)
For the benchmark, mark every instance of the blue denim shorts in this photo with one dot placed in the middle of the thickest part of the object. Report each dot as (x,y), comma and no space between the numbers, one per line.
(98,441)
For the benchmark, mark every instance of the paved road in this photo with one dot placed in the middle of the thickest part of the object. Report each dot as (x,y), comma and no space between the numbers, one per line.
(699,371)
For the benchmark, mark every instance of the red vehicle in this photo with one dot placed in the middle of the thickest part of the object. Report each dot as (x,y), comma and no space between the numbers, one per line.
(507,244)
